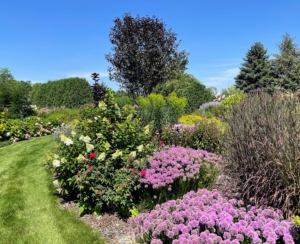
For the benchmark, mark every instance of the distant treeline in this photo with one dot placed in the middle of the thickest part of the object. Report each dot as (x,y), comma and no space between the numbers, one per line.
(70,92)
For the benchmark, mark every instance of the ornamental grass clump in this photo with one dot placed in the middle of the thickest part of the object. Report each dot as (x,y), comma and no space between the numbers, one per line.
(262,150)
(101,162)
(174,171)
(207,217)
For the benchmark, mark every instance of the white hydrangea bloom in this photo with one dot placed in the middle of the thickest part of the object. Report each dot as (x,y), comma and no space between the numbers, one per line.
(102,105)
(68,141)
(80,157)
(56,163)
(81,138)
(87,139)
(132,154)
(89,147)
(99,135)
(73,133)
(101,156)
(140,148)
(117,154)
(107,145)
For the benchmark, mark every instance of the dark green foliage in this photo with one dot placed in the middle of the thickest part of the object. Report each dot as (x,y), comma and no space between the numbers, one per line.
(98,90)
(14,95)
(145,54)
(286,65)
(196,94)
(262,150)
(254,72)
(70,92)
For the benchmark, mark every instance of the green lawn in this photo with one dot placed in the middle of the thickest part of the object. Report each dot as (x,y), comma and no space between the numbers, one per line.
(29,212)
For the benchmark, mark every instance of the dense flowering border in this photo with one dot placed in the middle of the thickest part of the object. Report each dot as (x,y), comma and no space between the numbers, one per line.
(207,217)
(167,165)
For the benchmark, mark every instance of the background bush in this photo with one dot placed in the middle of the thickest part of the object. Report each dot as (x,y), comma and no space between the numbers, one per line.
(158,110)
(262,150)
(196,94)
(70,92)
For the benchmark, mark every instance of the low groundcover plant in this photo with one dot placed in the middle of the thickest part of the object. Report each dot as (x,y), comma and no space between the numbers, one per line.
(207,217)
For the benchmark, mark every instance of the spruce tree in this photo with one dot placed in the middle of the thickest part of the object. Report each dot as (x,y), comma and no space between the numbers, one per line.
(286,65)
(254,73)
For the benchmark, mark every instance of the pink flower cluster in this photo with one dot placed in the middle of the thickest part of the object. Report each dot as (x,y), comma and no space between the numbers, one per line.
(207,217)
(169,164)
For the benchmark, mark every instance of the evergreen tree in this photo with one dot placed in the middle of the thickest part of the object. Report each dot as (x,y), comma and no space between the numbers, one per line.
(254,72)
(286,65)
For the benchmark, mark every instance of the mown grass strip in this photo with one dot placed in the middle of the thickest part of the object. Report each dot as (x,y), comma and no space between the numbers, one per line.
(29,211)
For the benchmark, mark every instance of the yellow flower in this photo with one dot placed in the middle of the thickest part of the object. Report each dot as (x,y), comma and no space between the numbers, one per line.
(89,147)
(73,133)
(101,156)
(117,154)
(80,157)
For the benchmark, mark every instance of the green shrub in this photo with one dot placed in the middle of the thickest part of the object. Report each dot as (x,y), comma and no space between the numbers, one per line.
(157,110)
(203,135)
(262,150)
(100,165)
(123,99)
(31,126)
(196,94)
(2,126)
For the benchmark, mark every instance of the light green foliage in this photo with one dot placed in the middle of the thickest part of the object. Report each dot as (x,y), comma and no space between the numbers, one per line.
(134,212)
(28,208)
(158,110)
(100,162)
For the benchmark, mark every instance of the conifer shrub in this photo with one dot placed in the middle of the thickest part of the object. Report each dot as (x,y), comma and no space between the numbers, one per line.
(262,150)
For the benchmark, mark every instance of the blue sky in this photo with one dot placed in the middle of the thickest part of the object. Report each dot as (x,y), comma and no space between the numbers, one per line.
(50,40)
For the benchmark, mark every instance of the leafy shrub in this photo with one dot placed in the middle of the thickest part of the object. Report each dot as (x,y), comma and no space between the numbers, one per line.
(62,129)
(123,99)
(157,110)
(205,136)
(2,125)
(174,171)
(61,114)
(192,119)
(207,217)
(31,126)
(100,165)
(262,150)
(196,94)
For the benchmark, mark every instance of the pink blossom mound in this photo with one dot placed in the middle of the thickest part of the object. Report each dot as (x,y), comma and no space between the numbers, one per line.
(207,217)
(169,164)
